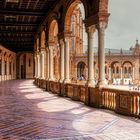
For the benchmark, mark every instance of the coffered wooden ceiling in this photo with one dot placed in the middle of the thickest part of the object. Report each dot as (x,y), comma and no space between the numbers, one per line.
(19,21)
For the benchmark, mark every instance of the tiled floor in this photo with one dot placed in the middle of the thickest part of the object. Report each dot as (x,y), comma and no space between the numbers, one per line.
(29,113)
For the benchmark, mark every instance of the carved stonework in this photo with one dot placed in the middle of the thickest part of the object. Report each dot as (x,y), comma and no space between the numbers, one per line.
(123,101)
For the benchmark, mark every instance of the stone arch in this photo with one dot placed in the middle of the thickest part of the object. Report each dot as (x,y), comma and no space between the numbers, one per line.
(53,43)
(37,44)
(43,38)
(69,11)
(127,62)
(126,68)
(53,30)
(113,63)
(24,70)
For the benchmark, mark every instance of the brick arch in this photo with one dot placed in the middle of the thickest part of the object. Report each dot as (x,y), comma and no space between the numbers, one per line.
(114,62)
(43,38)
(68,13)
(127,62)
(53,30)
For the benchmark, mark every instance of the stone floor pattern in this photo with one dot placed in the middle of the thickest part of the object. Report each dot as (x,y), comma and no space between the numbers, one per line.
(29,113)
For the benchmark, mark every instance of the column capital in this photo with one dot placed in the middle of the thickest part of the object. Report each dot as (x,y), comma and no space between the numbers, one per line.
(42,50)
(101,25)
(50,43)
(61,42)
(91,29)
(67,34)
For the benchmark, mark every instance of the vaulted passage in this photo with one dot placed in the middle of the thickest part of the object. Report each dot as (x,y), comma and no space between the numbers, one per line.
(54,42)
(27,112)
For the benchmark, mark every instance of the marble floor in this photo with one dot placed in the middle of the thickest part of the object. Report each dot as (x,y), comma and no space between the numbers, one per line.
(29,113)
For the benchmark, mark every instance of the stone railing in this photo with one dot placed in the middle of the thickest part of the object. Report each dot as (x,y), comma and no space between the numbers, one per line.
(76,92)
(121,101)
(54,87)
(125,102)
(135,104)
(108,99)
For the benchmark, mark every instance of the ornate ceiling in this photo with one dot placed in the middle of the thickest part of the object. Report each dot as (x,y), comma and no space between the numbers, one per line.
(19,21)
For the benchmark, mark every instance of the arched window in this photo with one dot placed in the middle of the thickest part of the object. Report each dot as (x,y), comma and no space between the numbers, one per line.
(105,69)
(129,70)
(113,69)
(125,70)
(117,70)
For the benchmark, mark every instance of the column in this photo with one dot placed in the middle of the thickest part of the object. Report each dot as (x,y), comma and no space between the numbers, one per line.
(67,59)
(133,70)
(42,63)
(61,60)
(121,73)
(3,69)
(101,53)
(109,74)
(8,75)
(51,63)
(35,66)
(48,63)
(90,80)
(38,66)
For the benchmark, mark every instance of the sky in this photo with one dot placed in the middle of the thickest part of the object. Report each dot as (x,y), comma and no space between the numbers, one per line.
(124,24)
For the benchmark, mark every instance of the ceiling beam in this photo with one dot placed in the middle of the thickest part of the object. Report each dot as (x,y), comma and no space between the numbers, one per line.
(18,40)
(18,24)
(26,43)
(18,12)
(18,31)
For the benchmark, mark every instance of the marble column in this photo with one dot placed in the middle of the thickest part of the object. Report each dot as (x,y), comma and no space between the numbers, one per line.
(38,66)
(101,53)
(61,61)
(35,66)
(67,59)
(42,63)
(133,74)
(90,80)
(109,73)
(51,62)
(121,73)
(48,63)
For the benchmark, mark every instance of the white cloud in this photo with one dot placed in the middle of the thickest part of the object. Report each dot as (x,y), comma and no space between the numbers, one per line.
(124,24)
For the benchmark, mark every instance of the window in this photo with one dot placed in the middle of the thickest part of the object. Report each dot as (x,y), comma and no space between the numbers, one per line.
(125,70)
(113,69)
(129,70)
(105,69)
(117,70)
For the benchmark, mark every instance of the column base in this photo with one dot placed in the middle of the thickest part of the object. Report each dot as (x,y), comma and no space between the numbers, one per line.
(43,78)
(90,83)
(61,80)
(102,83)
(51,79)
(67,81)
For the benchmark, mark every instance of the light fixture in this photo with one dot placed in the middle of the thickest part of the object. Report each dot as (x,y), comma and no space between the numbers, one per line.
(10,18)
(12,1)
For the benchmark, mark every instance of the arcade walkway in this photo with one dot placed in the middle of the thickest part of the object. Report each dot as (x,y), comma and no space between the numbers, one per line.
(29,113)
